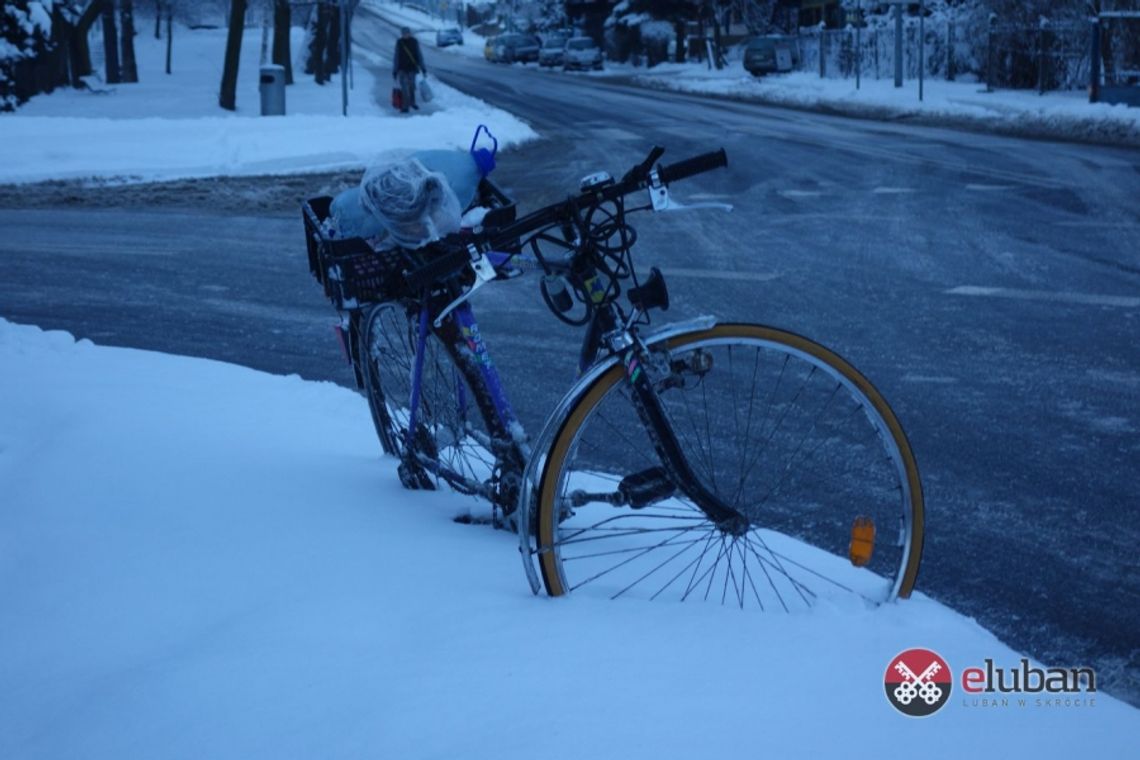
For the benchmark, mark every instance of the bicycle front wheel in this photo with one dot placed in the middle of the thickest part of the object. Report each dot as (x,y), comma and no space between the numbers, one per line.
(780,429)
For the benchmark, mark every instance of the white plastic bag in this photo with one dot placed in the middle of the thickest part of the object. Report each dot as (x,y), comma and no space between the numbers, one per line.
(414,205)
(425,90)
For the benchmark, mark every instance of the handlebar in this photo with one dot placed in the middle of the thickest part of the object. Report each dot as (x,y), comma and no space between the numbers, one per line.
(691,166)
(453,252)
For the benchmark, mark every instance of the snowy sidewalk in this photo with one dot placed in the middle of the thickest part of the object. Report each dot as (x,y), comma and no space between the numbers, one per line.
(1054,115)
(170,126)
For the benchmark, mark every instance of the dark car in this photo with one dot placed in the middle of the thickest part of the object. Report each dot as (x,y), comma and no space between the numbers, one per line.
(445,37)
(508,48)
(550,54)
(771,53)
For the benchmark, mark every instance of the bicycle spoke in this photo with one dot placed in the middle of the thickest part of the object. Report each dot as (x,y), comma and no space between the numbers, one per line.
(712,568)
(628,550)
(623,563)
(688,545)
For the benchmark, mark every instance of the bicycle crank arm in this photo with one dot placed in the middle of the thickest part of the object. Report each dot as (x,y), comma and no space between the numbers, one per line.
(638,490)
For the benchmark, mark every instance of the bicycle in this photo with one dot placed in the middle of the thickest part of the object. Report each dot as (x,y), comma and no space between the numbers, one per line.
(726,462)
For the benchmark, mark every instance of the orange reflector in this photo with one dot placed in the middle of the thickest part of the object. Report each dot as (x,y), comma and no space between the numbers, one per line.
(862,541)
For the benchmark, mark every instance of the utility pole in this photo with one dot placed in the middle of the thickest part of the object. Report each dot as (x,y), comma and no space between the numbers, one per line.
(345,10)
(921,46)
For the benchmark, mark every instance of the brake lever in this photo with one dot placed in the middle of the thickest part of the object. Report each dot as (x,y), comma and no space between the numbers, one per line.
(484,273)
(660,199)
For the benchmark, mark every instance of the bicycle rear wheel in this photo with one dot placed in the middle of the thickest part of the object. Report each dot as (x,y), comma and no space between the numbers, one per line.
(779,428)
(452,442)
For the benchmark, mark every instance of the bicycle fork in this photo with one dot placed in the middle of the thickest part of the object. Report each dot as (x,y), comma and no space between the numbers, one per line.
(643,488)
(675,464)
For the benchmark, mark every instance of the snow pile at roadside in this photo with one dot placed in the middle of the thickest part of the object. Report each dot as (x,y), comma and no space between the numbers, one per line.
(168,127)
(200,560)
(1057,114)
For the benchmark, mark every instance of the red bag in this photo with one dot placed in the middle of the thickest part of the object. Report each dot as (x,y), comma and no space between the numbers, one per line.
(397,99)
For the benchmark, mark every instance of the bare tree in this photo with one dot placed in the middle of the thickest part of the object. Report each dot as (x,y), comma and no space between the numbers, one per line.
(130,70)
(110,41)
(320,28)
(282,23)
(227,98)
(332,41)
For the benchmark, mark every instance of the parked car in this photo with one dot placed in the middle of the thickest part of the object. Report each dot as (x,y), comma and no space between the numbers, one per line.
(451,36)
(508,48)
(553,45)
(771,53)
(581,53)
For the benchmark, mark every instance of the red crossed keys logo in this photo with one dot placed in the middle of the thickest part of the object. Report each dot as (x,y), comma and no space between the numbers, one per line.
(917,682)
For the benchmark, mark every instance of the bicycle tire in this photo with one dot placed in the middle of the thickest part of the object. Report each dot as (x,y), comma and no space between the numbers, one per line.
(801,546)
(456,440)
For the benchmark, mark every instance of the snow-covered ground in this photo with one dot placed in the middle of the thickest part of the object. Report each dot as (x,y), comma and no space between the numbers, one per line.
(167,127)
(1056,114)
(200,560)
(1062,115)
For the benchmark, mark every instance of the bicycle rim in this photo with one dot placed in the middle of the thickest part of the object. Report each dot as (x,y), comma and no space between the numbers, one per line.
(451,444)
(780,428)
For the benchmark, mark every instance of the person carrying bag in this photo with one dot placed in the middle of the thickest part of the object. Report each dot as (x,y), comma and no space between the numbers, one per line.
(406,63)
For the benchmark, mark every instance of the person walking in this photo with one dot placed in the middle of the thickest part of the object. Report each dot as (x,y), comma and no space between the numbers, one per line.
(407,62)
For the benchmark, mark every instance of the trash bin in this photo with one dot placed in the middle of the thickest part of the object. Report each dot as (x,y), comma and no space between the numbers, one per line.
(272,90)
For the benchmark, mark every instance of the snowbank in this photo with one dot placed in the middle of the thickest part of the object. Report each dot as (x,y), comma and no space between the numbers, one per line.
(200,560)
(1061,115)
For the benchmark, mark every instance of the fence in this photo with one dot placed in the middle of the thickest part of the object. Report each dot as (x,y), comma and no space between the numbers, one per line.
(1044,56)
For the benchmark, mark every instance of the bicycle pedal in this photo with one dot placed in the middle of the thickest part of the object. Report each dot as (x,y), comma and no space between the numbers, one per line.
(641,489)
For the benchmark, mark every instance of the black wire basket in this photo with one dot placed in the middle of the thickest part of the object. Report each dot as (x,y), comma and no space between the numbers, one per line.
(354,275)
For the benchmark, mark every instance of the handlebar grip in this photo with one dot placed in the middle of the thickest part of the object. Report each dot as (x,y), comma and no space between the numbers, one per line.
(695,165)
(437,269)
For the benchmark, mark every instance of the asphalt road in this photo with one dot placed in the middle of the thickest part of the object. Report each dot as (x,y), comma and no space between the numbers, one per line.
(989,286)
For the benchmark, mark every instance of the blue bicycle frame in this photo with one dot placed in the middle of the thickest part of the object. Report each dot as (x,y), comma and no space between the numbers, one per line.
(468,328)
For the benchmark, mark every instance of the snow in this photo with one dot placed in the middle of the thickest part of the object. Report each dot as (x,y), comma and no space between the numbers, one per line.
(167,127)
(1064,115)
(201,560)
